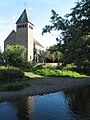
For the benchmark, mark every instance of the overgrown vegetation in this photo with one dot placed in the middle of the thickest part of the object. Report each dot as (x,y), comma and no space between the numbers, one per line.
(14,55)
(74,30)
(57,72)
(12,79)
(10,74)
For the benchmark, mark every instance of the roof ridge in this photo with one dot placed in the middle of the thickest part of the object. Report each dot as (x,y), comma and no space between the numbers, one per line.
(38,43)
(23,18)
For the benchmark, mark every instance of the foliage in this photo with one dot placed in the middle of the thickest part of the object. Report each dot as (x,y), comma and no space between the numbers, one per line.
(47,55)
(1,58)
(58,73)
(56,56)
(14,86)
(52,56)
(10,74)
(12,79)
(69,67)
(75,33)
(28,65)
(14,55)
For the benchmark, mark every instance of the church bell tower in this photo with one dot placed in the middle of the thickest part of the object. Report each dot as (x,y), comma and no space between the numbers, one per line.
(24,34)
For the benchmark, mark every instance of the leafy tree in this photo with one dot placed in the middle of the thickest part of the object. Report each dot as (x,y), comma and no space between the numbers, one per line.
(75,33)
(47,56)
(14,55)
(58,56)
(54,48)
(53,56)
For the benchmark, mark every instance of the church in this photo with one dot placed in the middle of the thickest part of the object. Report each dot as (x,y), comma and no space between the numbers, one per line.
(24,36)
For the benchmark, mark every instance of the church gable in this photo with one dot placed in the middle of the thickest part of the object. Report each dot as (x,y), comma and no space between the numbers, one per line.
(11,39)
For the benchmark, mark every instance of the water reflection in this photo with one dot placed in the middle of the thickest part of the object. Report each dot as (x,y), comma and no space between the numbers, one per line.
(79,101)
(68,105)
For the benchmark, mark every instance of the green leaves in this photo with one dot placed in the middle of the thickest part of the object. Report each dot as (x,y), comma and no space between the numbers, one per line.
(75,33)
(14,55)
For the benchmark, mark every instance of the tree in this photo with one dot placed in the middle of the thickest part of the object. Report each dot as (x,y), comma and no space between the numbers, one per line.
(58,56)
(74,28)
(14,55)
(47,56)
(53,56)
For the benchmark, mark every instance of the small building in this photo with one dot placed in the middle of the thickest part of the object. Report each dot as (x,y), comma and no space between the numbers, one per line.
(24,36)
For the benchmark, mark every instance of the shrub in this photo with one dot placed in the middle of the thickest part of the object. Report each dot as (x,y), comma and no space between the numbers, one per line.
(10,74)
(87,67)
(58,73)
(27,65)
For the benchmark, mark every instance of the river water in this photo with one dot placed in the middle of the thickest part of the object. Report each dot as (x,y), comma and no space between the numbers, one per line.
(73,104)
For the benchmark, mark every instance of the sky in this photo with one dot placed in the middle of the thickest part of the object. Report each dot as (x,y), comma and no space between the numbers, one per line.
(39,12)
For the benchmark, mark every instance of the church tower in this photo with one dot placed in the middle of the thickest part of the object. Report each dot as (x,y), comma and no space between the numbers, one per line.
(24,34)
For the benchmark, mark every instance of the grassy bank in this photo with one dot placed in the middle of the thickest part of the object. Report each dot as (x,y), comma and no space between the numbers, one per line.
(58,73)
(12,79)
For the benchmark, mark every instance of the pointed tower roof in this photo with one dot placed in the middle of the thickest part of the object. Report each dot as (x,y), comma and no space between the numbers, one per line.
(23,18)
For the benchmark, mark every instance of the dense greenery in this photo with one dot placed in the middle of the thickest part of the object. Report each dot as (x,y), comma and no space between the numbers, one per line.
(14,55)
(1,57)
(15,79)
(52,56)
(57,73)
(75,34)
(10,74)
(12,79)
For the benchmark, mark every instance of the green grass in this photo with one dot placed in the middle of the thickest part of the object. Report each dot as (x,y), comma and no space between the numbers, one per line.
(12,79)
(70,67)
(58,73)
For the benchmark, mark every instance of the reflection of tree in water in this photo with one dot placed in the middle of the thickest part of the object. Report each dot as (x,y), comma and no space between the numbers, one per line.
(79,101)
(30,106)
(25,108)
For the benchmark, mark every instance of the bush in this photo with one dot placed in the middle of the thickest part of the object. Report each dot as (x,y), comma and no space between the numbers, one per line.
(46,72)
(27,65)
(87,67)
(10,74)
(58,73)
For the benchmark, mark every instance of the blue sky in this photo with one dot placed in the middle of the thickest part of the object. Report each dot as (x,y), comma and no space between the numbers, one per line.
(39,12)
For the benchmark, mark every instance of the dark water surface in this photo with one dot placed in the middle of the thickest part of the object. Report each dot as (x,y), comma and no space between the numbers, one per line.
(73,104)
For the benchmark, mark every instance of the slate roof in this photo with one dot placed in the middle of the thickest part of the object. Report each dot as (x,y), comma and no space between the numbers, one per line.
(23,18)
(12,33)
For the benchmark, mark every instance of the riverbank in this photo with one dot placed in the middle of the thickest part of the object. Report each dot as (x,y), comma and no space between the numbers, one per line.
(41,86)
